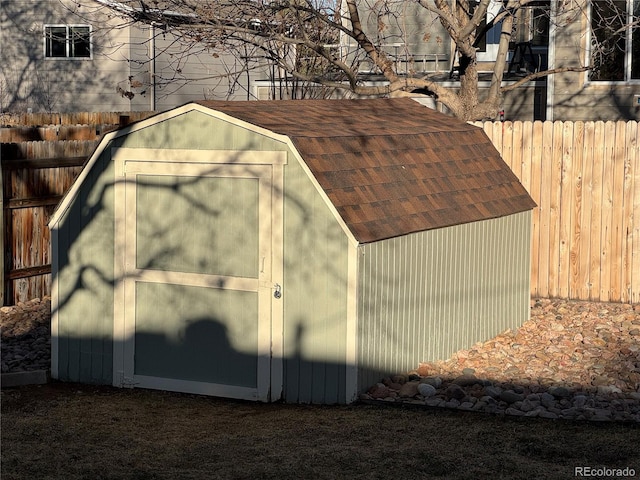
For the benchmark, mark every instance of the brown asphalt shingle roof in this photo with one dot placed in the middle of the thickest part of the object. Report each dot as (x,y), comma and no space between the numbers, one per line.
(392,166)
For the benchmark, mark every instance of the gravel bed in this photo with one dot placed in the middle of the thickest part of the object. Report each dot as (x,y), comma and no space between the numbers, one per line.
(572,360)
(25,336)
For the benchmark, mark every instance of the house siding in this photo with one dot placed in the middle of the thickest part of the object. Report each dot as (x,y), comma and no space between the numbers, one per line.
(422,297)
(29,81)
(119,75)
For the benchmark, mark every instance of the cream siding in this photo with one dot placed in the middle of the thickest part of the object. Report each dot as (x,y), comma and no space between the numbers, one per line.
(426,295)
(120,74)
(29,81)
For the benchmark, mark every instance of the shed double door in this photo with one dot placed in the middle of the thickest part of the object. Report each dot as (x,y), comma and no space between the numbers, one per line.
(198,279)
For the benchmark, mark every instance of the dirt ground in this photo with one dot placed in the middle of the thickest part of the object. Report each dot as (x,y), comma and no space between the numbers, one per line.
(68,431)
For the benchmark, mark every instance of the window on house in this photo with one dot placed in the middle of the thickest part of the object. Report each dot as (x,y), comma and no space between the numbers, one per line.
(67,41)
(532,24)
(615,41)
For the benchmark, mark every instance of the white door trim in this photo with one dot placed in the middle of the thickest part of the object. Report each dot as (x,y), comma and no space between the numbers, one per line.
(130,162)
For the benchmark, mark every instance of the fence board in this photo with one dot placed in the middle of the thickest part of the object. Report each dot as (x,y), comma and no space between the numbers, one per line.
(635,226)
(626,224)
(575,196)
(507,142)
(554,209)
(583,287)
(537,153)
(565,217)
(31,188)
(617,211)
(605,212)
(517,150)
(596,211)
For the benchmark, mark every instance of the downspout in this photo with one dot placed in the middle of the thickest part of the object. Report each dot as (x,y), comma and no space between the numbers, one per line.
(551,62)
(152,66)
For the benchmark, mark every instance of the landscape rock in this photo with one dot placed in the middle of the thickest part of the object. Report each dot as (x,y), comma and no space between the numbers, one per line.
(510,396)
(579,401)
(455,391)
(409,389)
(493,391)
(587,370)
(514,411)
(453,403)
(426,390)
(433,381)
(560,392)
(378,391)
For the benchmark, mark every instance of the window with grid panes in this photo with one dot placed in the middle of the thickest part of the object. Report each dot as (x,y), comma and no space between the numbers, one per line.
(67,41)
(615,40)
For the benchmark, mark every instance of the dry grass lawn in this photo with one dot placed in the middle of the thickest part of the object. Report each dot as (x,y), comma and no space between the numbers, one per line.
(66,431)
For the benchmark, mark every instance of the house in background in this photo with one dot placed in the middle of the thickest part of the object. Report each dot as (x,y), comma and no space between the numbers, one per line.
(611,91)
(419,45)
(60,55)
(543,39)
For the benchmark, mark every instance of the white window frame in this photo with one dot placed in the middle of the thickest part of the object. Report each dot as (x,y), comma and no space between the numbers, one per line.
(627,54)
(491,52)
(67,41)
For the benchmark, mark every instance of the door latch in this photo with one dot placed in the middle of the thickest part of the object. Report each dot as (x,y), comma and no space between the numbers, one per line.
(278,291)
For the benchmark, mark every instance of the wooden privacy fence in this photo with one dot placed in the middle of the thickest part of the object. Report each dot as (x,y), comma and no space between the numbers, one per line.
(35,176)
(38,164)
(585,178)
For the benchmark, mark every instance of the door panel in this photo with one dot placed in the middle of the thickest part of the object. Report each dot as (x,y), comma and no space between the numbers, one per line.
(206,225)
(197,334)
(197,254)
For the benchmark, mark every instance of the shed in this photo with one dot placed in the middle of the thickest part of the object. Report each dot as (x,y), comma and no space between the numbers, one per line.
(295,250)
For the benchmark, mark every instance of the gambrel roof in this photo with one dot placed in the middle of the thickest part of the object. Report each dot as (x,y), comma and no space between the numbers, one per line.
(392,166)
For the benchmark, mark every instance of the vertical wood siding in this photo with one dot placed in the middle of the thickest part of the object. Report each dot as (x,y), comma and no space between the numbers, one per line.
(85,278)
(426,295)
(84,281)
(314,295)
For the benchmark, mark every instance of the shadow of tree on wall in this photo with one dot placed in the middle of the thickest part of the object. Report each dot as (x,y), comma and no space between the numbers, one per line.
(86,280)
(28,80)
(201,352)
